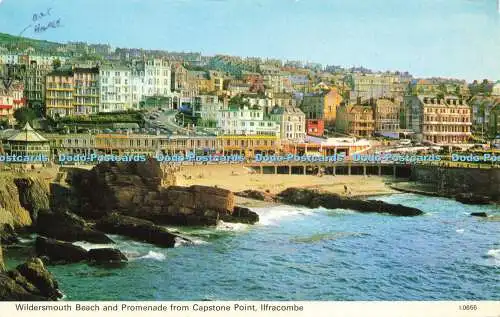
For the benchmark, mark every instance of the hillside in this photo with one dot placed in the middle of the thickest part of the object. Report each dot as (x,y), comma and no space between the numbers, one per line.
(21,43)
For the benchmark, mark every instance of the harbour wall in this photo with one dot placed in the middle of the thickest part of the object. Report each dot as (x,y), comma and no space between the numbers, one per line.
(452,181)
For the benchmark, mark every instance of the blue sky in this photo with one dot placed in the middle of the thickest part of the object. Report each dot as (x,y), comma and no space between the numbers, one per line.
(448,38)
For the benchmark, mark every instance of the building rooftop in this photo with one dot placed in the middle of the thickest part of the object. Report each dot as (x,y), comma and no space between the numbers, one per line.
(27,134)
(61,72)
(285,110)
(94,70)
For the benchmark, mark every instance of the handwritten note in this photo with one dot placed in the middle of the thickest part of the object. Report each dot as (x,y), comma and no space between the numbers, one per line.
(41,15)
(39,28)
(41,23)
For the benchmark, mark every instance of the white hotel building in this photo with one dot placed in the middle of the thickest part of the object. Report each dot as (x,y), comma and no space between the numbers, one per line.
(123,86)
(245,120)
(115,84)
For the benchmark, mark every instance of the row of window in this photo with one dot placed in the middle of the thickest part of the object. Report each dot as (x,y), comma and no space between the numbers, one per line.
(446,129)
(445,110)
(244,124)
(153,143)
(446,119)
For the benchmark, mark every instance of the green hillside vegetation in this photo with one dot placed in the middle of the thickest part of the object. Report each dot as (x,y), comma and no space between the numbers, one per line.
(113,117)
(13,42)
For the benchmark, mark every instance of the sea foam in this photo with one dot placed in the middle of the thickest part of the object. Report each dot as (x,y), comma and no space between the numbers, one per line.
(188,241)
(272,216)
(89,246)
(157,256)
(229,226)
(494,253)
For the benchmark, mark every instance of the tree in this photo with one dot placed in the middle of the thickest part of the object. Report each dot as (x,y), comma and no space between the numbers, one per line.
(4,123)
(442,88)
(239,101)
(56,64)
(485,87)
(23,115)
(39,109)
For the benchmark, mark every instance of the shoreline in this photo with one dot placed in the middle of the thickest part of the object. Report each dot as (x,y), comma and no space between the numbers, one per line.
(238,178)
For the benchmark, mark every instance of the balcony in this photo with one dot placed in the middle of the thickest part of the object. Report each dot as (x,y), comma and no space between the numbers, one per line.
(447,133)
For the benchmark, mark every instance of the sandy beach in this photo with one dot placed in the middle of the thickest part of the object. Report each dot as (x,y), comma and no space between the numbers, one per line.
(238,178)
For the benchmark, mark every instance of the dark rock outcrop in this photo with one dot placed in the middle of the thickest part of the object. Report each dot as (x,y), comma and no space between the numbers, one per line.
(29,282)
(135,189)
(241,215)
(479,214)
(33,195)
(256,194)
(116,186)
(106,256)
(12,290)
(68,227)
(7,234)
(139,229)
(34,271)
(2,265)
(59,251)
(314,198)
(472,199)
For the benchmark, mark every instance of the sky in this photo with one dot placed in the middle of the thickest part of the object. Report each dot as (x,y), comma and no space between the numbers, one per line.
(442,38)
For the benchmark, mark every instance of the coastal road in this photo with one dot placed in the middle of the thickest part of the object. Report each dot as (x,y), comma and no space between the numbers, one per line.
(164,120)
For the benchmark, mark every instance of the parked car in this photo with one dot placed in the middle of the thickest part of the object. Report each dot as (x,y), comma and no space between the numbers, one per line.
(405,142)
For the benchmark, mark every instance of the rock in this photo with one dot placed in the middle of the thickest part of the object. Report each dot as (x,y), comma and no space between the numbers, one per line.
(106,256)
(2,265)
(134,189)
(33,195)
(10,290)
(22,281)
(35,273)
(479,214)
(59,251)
(241,215)
(139,229)
(191,206)
(314,198)
(7,234)
(297,196)
(116,186)
(472,199)
(11,211)
(256,194)
(63,198)
(28,282)
(68,227)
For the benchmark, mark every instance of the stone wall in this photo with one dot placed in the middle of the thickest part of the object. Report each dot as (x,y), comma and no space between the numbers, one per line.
(452,181)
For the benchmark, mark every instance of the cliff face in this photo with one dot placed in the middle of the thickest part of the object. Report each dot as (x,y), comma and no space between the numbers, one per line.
(11,210)
(2,265)
(33,195)
(135,189)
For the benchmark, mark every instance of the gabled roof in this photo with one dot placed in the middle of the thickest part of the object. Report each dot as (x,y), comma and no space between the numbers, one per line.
(27,134)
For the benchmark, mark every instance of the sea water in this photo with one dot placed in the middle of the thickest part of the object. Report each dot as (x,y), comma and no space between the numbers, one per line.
(298,253)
